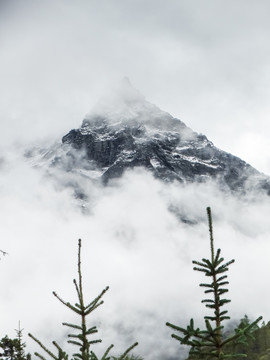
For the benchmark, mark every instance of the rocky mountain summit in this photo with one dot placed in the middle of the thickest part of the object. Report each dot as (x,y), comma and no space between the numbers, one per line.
(125,131)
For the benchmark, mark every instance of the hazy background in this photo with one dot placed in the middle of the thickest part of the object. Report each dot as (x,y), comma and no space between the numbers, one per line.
(205,62)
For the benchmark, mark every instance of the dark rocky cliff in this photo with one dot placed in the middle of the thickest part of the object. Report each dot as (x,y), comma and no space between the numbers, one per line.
(127,131)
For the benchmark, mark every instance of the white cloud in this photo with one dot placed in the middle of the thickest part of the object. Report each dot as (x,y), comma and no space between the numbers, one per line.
(131,242)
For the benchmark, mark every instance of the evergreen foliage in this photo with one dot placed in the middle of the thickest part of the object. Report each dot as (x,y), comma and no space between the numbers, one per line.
(258,345)
(81,333)
(128,357)
(210,343)
(13,349)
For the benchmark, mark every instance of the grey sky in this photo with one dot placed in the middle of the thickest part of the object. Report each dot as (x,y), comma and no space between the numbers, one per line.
(205,62)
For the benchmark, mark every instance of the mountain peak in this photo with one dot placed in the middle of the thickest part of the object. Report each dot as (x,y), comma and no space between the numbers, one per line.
(126,131)
(125,82)
(125,92)
(122,103)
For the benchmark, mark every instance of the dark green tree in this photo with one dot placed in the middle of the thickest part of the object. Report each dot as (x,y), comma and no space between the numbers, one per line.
(244,322)
(211,343)
(14,349)
(81,332)
(258,345)
(21,345)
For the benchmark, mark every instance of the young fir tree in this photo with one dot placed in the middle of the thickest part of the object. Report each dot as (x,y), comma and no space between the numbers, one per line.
(82,332)
(210,343)
(21,345)
(13,349)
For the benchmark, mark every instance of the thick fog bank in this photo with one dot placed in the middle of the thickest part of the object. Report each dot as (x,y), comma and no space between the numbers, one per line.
(132,242)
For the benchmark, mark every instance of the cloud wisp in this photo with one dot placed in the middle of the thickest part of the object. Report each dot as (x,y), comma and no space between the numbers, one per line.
(131,242)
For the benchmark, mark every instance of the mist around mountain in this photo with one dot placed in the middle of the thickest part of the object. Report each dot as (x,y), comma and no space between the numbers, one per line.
(125,132)
(140,229)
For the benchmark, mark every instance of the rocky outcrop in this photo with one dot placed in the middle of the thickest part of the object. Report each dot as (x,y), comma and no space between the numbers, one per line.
(125,131)
(130,132)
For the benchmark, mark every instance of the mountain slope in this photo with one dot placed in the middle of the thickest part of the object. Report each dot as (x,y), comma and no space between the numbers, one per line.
(125,131)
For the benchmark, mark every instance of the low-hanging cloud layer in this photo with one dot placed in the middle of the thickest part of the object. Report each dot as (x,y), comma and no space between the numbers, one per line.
(131,242)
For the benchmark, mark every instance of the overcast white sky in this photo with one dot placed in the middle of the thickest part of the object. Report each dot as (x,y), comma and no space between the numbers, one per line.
(204,61)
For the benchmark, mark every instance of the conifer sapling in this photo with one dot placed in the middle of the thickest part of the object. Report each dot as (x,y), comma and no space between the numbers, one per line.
(82,332)
(13,349)
(211,343)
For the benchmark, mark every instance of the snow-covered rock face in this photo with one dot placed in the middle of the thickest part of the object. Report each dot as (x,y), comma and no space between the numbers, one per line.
(125,131)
